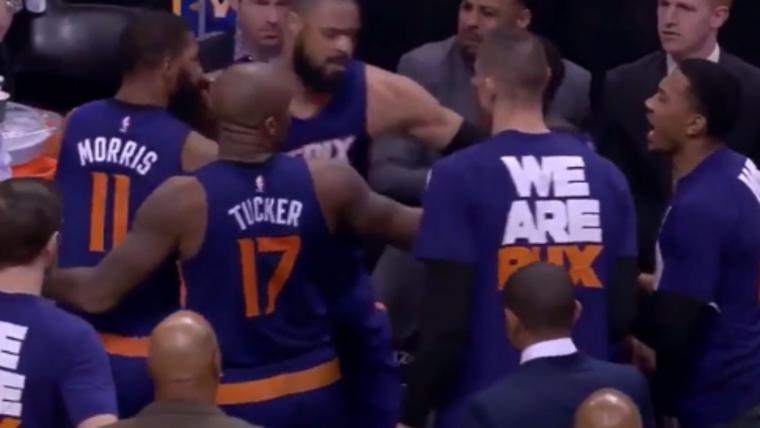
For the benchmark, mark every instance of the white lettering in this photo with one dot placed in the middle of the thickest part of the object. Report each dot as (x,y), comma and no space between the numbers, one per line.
(12,337)
(117,152)
(100,149)
(114,146)
(337,148)
(751,177)
(147,163)
(280,211)
(85,152)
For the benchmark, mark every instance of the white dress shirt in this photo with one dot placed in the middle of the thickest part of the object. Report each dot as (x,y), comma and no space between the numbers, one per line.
(549,348)
(714,57)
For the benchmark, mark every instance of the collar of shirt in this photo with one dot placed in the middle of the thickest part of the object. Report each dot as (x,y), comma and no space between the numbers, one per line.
(549,348)
(714,57)
(181,408)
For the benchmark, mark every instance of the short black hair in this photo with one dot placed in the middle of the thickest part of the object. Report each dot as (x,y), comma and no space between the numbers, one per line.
(30,213)
(542,296)
(304,6)
(557,67)
(716,94)
(528,4)
(517,59)
(149,38)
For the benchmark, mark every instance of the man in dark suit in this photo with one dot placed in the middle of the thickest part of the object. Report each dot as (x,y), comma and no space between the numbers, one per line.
(185,365)
(687,29)
(554,378)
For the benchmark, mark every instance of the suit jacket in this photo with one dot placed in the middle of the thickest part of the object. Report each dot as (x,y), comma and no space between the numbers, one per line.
(622,136)
(545,393)
(181,414)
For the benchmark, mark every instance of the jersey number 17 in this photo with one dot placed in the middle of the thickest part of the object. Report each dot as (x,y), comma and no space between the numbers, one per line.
(288,247)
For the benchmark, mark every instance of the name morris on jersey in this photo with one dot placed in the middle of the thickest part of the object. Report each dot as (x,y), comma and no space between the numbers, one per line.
(116,151)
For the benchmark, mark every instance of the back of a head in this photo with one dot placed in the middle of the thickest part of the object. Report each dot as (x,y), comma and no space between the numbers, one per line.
(150,38)
(608,408)
(247,94)
(557,67)
(183,354)
(716,93)
(541,295)
(30,214)
(303,7)
(517,60)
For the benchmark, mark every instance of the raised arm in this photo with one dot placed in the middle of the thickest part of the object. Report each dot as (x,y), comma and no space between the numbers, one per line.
(156,234)
(347,200)
(399,106)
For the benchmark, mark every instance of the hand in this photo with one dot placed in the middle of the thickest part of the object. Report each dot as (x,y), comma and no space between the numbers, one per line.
(643,356)
(646,281)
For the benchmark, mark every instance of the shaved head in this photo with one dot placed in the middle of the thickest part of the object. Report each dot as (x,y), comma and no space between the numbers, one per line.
(608,408)
(184,357)
(516,60)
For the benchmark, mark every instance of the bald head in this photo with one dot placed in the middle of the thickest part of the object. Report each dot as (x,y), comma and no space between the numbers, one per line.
(608,408)
(248,94)
(184,354)
(542,297)
(516,60)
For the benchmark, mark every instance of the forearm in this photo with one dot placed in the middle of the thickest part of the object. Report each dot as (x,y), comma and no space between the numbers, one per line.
(77,289)
(443,338)
(403,227)
(400,182)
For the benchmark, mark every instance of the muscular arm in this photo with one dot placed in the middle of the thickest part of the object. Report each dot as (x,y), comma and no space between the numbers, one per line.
(198,151)
(399,106)
(351,202)
(159,230)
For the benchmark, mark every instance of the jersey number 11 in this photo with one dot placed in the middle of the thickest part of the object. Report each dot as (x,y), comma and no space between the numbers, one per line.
(98,210)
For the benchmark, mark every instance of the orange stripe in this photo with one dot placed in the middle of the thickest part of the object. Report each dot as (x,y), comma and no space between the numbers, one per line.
(98,211)
(248,268)
(131,347)
(120,208)
(177,7)
(289,246)
(279,386)
(10,423)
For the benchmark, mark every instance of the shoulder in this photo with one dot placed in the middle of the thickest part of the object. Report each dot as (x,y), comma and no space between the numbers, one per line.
(740,67)
(575,72)
(633,70)
(429,54)
(383,83)
(65,327)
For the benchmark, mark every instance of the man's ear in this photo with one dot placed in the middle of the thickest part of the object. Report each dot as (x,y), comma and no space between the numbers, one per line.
(578,311)
(294,23)
(526,17)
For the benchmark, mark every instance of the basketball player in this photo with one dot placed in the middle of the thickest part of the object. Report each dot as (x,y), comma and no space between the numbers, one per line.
(341,104)
(525,195)
(263,256)
(114,153)
(708,252)
(53,371)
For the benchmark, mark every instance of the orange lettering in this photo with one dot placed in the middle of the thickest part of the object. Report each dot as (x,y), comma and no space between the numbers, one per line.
(581,262)
(289,246)
(10,423)
(98,210)
(578,260)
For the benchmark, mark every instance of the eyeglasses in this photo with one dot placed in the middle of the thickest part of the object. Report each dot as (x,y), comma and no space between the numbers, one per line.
(15,6)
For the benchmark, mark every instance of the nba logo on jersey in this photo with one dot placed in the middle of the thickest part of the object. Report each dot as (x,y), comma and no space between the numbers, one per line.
(259,184)
(124,125)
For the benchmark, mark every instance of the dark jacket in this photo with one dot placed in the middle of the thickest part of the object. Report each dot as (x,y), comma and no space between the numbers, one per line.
(181,414)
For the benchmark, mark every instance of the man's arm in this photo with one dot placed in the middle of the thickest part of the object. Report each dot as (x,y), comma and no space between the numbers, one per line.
(155,235)
(399,106)
(352,203)
(446,243)
(198,151)
(87,388)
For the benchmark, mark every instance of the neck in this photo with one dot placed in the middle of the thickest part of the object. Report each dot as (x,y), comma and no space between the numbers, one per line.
(685,160)
(142,90)
(22,280)
(544,337)
(702,51)
(526,119)
(194,392)
(234,150)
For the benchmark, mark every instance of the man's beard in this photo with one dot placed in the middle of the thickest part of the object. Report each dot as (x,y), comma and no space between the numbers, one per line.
(312,76)
(187,105)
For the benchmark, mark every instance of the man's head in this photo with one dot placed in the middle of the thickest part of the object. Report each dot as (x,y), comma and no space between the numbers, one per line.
(322,36)
(184,359)
(30,216)
(511,67)
(262,23)
(478,17)
(689,28)
(607,408)
(158,46)
(250,102)
(698,101)
(556,69)
(540,304)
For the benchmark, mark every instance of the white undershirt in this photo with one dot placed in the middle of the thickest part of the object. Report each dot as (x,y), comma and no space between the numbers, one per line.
(549,348)
(714,57)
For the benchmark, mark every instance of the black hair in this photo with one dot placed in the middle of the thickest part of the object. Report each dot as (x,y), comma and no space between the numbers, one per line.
(542,296)
(716,94)
(149,38)
(557,67)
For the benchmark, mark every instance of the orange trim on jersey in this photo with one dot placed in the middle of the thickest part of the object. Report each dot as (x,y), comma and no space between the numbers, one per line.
(122,346)
(279,386)
(10,423)
(98,211)
(120,208)
(248,270)
(177,7)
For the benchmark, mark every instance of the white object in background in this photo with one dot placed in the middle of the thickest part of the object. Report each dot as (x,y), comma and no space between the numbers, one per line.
(36,6)
(5,162)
